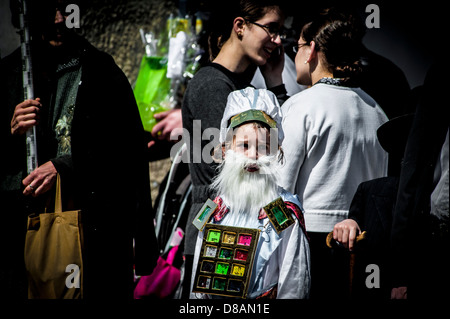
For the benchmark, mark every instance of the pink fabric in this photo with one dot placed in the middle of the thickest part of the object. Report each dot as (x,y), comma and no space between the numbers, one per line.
(162,282)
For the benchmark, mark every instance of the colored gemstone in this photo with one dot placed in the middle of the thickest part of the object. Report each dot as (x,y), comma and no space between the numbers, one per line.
(222,268)
(241,254)
(245,239)
(225,253)
(238,270)
(214,236)
(219,283)
(279,215)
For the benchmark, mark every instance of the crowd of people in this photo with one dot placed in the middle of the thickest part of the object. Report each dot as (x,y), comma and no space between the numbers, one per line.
(346,160)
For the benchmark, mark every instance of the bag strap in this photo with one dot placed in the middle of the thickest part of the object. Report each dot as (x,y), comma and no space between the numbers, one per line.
(58,201)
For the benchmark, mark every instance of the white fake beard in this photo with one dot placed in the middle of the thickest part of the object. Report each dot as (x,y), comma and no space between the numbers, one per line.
(243,191)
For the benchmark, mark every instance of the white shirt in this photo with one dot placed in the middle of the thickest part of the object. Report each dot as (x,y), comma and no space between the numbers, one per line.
(330,147)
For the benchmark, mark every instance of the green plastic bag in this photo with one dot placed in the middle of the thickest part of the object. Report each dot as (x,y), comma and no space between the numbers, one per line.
(152,89)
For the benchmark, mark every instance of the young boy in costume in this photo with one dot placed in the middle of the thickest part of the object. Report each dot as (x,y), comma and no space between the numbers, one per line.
(246,183)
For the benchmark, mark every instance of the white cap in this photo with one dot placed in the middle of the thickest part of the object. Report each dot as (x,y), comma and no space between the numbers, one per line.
(248,99)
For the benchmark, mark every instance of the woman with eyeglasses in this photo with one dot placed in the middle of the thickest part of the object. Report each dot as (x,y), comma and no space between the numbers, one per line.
(331,143)
(244,35)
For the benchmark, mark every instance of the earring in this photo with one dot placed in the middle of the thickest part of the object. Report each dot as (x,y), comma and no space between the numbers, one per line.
(306,62)
(239,35)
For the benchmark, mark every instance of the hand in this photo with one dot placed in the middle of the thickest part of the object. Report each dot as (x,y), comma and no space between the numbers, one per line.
(273,69)
(345,232)
(26,115)
(169,127)
(40,180)
(399,293)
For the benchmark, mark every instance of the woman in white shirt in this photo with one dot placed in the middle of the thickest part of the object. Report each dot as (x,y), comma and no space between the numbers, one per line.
(330,141)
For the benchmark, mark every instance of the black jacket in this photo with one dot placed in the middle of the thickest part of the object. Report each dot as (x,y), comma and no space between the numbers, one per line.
(372,208)
(108,170)
(416,257)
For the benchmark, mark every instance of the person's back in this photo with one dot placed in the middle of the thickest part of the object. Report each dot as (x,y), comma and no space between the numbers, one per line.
(331,148)
(331,144)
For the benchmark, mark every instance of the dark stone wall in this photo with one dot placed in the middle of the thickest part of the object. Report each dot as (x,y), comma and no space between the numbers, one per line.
(113,26)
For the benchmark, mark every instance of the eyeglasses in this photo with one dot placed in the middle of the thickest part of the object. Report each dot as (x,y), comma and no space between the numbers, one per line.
(272,29)
(296,48)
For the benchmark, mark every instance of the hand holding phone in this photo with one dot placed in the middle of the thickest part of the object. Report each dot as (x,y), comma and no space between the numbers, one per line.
(273,69)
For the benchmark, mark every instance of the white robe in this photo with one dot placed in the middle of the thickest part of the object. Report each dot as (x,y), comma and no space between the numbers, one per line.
(282,260)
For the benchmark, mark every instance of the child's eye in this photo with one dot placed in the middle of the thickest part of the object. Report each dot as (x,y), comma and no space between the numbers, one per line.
(243,145)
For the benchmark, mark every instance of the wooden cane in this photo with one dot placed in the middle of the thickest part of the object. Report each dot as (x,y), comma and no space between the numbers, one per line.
(360,237)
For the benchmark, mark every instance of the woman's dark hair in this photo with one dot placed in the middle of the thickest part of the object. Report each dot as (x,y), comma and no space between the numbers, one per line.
(222,19)
(338,35)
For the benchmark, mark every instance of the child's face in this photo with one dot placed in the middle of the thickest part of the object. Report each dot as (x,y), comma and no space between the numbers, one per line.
(251,141)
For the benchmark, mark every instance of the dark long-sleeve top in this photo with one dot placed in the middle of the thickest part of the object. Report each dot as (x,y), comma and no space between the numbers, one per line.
(107,169)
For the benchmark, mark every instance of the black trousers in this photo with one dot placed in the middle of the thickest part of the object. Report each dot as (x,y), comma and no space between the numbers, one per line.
(329,270)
